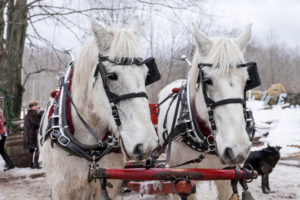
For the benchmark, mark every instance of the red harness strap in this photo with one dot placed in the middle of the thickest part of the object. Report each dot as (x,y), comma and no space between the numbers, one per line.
(56,94)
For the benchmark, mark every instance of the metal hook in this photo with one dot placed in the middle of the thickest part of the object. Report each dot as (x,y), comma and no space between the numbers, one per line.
(68,51)
(184,58)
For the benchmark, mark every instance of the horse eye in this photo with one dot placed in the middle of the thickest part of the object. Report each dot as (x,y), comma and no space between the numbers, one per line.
(208,81)
(112,76)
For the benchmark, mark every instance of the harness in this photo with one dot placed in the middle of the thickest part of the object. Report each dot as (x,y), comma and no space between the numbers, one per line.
(190,128)
(58,128)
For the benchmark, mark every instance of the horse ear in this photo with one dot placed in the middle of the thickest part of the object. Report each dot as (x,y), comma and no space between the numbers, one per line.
(136,26)
(203,42)
(243,39)
(278,147)
(102,36)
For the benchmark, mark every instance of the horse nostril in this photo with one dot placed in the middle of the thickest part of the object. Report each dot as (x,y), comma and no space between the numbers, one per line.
(138,151)
(228,153)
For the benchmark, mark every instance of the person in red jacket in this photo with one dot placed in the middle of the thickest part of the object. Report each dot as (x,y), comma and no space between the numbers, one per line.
(3,135)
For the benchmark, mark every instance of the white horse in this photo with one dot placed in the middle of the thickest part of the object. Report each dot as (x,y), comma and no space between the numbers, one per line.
(222,81)
(67,175)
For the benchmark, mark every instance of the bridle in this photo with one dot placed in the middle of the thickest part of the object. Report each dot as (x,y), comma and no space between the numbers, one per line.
(211,104)
(205,140)
(114,98)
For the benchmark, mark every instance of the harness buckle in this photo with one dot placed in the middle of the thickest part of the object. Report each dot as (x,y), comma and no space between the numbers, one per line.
(211,143)
(61,141)
(113,142)
(92,169)
(52,136)
(100,143)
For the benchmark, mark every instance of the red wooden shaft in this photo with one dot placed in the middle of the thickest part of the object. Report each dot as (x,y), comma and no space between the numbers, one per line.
(169,174)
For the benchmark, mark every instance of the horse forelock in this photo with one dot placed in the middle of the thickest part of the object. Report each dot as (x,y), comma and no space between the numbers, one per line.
(224,54)
(125,43)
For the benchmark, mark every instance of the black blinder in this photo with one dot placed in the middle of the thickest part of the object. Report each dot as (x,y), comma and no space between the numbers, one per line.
(254,79)
(153,73)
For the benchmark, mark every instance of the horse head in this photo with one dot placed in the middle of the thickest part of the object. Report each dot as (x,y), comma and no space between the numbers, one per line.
(221,90)
(116,50)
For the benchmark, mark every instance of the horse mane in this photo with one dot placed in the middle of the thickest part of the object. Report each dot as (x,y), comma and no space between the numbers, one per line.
(224,55)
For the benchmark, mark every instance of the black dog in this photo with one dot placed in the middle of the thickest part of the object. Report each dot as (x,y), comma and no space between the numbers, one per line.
(263,162)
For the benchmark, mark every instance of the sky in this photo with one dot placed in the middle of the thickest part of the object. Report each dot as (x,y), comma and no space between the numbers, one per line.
(277,17)
(281,17)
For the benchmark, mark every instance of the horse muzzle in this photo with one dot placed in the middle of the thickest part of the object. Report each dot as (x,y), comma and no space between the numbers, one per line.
(140,152)
(231,158)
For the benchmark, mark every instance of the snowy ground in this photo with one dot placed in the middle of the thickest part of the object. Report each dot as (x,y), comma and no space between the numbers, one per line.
(283,126)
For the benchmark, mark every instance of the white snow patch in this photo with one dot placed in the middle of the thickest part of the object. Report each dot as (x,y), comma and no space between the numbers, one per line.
(283,125)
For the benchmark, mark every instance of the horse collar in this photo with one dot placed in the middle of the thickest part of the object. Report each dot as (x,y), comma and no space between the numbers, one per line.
(198,137)
(58,128)
(192,130)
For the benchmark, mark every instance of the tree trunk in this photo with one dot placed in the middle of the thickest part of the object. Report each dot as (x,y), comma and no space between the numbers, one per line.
(11,50)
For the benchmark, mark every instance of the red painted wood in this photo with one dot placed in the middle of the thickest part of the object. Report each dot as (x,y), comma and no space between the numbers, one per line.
(168,174)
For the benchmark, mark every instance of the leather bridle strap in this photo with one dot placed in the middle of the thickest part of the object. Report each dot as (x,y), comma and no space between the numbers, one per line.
(211,104)
(112,97)
(227,101)
(117,98)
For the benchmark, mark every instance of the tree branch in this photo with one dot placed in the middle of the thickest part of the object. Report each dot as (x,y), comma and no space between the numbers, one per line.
(27,75)
(74,11)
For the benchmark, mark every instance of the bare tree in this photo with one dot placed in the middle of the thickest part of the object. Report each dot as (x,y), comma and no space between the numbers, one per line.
(12,47)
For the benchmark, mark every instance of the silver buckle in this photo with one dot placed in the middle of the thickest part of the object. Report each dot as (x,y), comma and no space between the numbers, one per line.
(63,144)
(114,143)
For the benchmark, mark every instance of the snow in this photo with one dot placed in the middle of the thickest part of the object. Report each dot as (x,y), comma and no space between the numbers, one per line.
(281,122)
(283,125)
